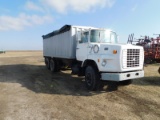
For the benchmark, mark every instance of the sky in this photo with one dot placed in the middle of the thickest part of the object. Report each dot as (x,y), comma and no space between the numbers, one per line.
(23,22)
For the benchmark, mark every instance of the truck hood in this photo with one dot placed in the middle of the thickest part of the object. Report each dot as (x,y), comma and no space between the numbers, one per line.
(107,48)
(116,60)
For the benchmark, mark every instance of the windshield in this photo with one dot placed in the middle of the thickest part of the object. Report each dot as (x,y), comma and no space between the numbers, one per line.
(104,36)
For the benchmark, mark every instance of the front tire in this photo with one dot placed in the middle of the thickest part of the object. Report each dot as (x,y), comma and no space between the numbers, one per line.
(92,78)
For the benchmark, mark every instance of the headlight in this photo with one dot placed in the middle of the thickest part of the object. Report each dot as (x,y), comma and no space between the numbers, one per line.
(104,62)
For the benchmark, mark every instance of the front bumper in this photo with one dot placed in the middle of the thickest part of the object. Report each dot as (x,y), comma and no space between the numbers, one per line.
(122,76)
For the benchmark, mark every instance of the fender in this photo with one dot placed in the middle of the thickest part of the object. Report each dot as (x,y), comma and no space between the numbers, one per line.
(89,62)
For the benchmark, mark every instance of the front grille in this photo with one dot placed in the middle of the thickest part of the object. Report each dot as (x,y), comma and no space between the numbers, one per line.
(131,58)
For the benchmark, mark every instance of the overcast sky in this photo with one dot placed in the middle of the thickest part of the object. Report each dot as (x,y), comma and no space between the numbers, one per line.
(23,22)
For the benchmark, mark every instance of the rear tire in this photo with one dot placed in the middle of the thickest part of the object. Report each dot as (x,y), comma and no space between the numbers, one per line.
(54,65)
(92,78)
(47,62)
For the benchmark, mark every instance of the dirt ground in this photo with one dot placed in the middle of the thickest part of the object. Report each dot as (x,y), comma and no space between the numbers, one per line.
(28,91)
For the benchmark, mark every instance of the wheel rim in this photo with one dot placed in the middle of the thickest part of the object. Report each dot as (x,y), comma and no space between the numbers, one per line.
(89,79)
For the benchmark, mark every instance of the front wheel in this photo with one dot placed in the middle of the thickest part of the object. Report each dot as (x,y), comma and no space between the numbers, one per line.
(92,78)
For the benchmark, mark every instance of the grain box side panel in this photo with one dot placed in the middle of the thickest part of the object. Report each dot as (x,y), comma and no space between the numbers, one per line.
(46,47)
(60,46)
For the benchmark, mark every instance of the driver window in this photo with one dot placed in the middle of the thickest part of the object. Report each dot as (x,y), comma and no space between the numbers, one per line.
(113,38)
(84,37)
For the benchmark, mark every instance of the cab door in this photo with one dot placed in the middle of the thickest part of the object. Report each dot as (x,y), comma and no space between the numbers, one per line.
(82,46)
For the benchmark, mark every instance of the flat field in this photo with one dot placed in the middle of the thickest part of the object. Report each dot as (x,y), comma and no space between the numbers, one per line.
(28,91)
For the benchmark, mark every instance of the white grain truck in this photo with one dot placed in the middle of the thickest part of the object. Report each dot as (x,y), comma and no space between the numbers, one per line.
(94,53)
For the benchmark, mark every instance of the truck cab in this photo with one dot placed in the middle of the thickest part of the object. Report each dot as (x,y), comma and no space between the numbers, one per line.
(103,58)
(89,41)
